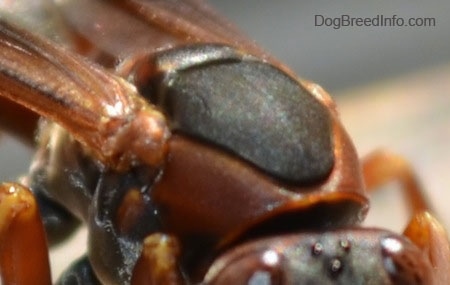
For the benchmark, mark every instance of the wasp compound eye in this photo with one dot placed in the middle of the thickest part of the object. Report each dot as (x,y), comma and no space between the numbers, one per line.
(404,263)
(257,112)
(255,268)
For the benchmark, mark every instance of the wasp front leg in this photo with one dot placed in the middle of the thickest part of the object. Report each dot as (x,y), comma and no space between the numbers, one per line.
(23,244)
(423,229)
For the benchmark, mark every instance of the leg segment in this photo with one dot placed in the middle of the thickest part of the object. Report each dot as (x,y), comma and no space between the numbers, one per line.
(381,167)
(23,245)
(429,235)
(423,229)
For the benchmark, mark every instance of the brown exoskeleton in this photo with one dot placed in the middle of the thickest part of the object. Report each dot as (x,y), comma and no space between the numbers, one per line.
(198,160)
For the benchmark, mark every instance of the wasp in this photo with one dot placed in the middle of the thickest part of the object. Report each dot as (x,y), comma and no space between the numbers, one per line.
(192,157)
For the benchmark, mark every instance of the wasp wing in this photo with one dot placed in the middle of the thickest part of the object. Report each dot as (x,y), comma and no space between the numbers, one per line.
(128,28)
(88,101)
(92,104)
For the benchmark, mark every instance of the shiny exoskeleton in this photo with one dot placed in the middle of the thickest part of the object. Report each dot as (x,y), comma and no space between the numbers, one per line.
(206,162)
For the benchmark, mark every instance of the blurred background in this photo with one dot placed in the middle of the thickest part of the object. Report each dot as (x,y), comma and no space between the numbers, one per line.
(348,56)
(391,85)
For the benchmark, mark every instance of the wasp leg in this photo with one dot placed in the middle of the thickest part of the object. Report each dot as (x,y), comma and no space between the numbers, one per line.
(23,245)
(79,273)
(423,229)
(382,166)
(158,263)
(430,236)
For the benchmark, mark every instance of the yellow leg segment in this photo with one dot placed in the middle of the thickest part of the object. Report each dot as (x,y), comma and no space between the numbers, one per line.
(23,245)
